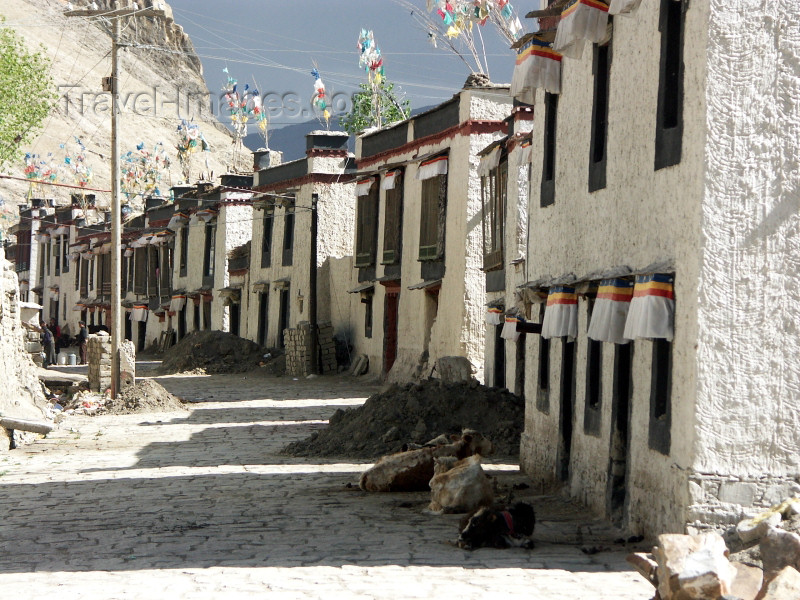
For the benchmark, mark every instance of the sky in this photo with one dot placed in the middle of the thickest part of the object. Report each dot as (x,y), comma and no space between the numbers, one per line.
(274,44)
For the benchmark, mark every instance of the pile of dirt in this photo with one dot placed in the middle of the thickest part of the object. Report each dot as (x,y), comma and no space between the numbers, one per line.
(418,413)
(213,352)
(145,396)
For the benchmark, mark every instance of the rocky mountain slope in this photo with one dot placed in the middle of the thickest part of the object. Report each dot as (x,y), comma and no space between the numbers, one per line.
(161,83)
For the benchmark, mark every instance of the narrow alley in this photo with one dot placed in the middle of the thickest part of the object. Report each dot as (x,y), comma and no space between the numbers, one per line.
(202,504)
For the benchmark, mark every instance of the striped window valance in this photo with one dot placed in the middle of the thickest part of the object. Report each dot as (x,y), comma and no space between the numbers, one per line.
(489,161)
(177,303)
(494,316)
(652,311)
(610,311)
(510,328)
(363,186)
(139,312)
(582,21)
(432,168)
(537,66)
(561,313)
(390,179)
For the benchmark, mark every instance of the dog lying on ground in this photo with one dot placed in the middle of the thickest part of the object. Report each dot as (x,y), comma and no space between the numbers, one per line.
(497,528)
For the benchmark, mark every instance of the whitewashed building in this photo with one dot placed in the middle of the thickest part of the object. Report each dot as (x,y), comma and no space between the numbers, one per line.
(662,261)
(418,240)
(284,250)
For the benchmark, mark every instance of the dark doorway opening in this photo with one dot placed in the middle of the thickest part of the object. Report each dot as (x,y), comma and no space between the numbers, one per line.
(390,329)
(499,358)
(207,315)
(567,408)
(142,333)
(617,489)
(283,317)
(263,314)
(128,329)
(197,317)
(235,314)
(519,368)
(182,323)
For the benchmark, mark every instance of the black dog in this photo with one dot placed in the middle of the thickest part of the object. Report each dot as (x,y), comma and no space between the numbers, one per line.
(495,528)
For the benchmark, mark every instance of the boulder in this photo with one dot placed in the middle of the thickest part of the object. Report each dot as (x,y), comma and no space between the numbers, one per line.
(693,567)
(784,586)
(779,549)
(748,581)
(752,530)
(645,564)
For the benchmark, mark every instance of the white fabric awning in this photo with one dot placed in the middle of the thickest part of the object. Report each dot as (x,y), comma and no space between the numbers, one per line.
(584,20)
(206,215)
(652,311)
(177,303)
(432,168)
(510,329)
(489,161)
(624,7)
(63,230)
(525,152)
(537,66)
(561,313)
(139,313)
(611,311)
(494,316)
(390,179)
(363,187)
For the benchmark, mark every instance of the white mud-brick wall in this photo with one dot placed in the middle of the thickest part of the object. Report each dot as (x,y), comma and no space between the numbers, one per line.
(234,228)
(21,394)
(748,394)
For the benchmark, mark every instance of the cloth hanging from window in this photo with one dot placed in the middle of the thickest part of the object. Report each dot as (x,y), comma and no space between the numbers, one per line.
(652,311)
(177,221)
(177,303)
(611,311)
(390,180)
(561,313)
(363,186)
(537,66)
(489,161)
(139,313)
(583,20)
(206,214)
(510,328)
(494,316)
(624,7)
(525,152)
(432,168)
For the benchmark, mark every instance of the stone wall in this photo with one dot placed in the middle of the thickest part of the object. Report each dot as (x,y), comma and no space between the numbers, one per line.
(99,356)
(298,349)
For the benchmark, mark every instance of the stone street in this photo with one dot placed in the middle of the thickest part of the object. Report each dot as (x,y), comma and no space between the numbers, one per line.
(201,504)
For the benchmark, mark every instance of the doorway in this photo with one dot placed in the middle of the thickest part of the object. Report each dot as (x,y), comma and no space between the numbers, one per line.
(182,323)
(567,408)
(263,313)
(206,314)
(128,329)
(142,333)
(283,317)
(499,358)
(617,487)
(235,314)
(519,367)
(197,316)
(390,328)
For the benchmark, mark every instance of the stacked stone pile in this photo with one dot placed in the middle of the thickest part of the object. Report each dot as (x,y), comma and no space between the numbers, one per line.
(298,349)
(700,567)
(99,355)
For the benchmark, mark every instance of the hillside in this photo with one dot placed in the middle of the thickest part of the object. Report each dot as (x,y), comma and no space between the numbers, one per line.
(159,85)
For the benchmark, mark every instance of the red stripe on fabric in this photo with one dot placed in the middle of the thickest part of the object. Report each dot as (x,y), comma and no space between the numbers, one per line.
(615,297)
(654,292)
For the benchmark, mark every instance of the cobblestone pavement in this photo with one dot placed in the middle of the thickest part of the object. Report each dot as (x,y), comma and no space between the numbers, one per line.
(200,504)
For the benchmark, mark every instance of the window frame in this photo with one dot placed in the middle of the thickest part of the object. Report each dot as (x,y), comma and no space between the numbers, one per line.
(393,221)
(367,214)
(433,216)
(494,194)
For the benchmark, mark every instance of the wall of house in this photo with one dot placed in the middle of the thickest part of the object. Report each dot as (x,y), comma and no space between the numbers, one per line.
(235,228)
(458,327)
(748,441)
(641,217)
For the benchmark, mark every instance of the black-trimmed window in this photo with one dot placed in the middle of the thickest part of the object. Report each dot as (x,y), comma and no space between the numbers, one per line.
(210,249)
(432,218)
(494,191)
(669,116)
(543,383)
(140,271)
(548,186)
(366,300)
(84,290)
(268,223)
(598,151)
(367,227)
(92,266)
(165,279)
(57,253)
(393,222)
(288,234)
(64,255)
(660,396)
(594,387)
(105,274)
(184,246)
(78,273)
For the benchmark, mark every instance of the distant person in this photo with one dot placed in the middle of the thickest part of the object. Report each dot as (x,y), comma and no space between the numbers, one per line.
(83,339)
(48,346)
(56,331)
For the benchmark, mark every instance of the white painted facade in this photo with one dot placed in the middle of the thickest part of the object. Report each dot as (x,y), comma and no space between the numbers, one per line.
(724,221)
(280,262)
(434,318)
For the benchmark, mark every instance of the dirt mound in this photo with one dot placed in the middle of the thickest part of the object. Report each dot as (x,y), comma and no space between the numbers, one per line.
(145,396)
(212,351)
(418,413)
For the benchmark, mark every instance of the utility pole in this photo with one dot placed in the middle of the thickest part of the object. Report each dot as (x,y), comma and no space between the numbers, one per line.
(111,85)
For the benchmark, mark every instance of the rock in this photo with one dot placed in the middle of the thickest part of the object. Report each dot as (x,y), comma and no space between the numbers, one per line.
(693,567)
(419,431)
(454,369)
(391,436)
(645,564)
(784,586)
(752,530)
(748,581)
(793,509)
(779,549)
